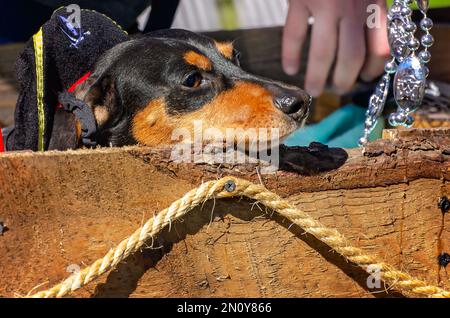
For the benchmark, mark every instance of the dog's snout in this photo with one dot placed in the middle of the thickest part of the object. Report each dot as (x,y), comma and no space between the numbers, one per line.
(290,104)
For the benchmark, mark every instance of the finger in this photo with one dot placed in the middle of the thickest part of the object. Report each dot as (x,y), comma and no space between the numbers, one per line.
(351,54)
(294,35)
(321,53)
(377,48)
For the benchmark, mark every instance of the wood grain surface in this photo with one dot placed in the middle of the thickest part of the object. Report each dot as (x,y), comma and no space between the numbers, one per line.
(66,209)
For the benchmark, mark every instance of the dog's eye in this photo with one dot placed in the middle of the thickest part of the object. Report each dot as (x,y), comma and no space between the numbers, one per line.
(193,81)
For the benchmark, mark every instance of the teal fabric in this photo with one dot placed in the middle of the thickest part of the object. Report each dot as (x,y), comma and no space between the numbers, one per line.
(341,129)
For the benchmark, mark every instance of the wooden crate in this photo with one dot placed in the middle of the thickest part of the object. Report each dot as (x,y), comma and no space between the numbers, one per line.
(66,209)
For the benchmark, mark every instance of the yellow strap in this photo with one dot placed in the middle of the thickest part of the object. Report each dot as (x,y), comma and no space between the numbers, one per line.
(39,60)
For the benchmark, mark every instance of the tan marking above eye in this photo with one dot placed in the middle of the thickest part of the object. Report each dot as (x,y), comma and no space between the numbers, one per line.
(225,48)
(198,60)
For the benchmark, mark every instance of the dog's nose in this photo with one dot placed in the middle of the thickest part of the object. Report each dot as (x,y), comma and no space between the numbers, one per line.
(290,104)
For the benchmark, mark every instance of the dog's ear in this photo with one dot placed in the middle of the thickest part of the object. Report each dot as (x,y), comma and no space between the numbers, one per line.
(102,96)
(88,116)
(82,113)
(66,131)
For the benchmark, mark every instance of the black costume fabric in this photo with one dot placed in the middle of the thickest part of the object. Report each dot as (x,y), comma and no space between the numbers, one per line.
(64,63)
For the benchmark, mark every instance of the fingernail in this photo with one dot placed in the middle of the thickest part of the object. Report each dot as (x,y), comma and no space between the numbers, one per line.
(290,69)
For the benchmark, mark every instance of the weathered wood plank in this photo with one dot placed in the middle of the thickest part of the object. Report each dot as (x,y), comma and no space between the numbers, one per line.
(66,208)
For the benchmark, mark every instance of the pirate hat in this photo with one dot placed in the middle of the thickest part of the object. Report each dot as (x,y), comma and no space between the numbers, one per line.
(57,58)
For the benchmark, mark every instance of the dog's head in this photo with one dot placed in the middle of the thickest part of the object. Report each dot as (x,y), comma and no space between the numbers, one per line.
(144,89)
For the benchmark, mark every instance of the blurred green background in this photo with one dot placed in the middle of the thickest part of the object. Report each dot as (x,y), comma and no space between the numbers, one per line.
(433,3)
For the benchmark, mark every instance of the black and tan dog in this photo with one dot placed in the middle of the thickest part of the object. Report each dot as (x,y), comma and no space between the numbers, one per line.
(142,89)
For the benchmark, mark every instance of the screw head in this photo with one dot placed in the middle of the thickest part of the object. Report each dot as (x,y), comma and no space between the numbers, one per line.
(443,259)
(3,228)
(444,204)
(230,186)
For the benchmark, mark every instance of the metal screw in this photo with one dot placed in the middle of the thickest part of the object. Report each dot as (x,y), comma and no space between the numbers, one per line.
(3,228)
(444,204)
(444,259)
(230,186)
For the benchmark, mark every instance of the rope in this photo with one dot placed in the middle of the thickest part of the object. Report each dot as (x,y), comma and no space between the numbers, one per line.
(234,187)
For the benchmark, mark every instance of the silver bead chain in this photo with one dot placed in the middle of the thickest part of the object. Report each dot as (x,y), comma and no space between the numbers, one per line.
(406,66)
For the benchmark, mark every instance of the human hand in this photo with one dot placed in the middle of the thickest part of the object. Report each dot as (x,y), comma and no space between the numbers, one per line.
(340,37)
